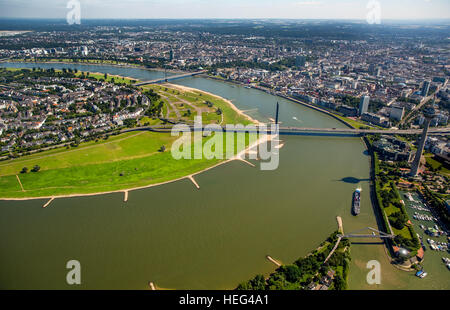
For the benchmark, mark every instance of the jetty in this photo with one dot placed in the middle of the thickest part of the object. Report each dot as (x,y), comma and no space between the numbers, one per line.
(273,261)
(193,181)
(48,203)
(340,224)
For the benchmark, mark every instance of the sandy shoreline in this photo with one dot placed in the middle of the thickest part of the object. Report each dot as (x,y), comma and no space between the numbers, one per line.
(186,88)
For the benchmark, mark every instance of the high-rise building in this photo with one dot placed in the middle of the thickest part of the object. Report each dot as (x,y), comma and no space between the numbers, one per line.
(397,112)
(429,114)
(378,71)
(84,51)
(425,88)
(300,61)
(372,69)
(364,105)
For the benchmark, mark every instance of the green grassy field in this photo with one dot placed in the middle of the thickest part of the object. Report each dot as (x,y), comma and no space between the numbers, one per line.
(402,232)
(122,162)
(198,99)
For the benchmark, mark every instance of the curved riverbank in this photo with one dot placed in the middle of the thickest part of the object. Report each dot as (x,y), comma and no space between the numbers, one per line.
(238,157)
(285,97)
(229,215)
(376,206)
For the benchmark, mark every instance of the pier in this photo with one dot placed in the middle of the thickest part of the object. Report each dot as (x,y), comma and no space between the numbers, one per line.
(48,203)
(125,198)
(273,261)
(340,224)
(193,181)
(152,286)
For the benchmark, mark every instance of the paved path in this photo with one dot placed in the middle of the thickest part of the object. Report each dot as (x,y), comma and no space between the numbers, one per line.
(334,249)
(21,186)
(177,112)
(197,109)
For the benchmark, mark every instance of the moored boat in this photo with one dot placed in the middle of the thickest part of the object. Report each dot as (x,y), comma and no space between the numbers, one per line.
(356,204)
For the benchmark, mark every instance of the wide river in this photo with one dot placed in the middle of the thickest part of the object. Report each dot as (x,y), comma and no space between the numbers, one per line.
(213,238)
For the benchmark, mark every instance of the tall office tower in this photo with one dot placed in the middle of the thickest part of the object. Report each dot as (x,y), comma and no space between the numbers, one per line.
(372,69)
(429,114)
(425,88)
(277,114)
(364,105)
(300,61)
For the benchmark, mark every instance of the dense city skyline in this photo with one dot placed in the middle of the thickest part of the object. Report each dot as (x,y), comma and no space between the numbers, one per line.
(293,9)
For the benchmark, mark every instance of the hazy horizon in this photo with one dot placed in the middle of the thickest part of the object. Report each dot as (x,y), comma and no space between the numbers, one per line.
(232,9)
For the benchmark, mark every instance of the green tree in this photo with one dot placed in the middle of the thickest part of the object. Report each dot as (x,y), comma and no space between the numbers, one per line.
(398,220)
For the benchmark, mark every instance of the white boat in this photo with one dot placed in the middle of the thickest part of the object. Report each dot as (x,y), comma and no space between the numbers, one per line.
(423,275)
(409,196)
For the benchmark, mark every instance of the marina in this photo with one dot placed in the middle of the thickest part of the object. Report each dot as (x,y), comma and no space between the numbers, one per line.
(434,240)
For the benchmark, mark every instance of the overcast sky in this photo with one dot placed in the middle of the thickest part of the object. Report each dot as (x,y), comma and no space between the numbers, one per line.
(297,9)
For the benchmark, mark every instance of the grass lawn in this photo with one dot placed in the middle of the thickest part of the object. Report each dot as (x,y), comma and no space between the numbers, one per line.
(126,161)
(356,124)
(147,121)
(403,232)
(109,79)
(198,98)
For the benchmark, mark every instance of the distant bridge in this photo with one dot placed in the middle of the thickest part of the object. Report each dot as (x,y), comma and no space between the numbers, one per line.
(170,78)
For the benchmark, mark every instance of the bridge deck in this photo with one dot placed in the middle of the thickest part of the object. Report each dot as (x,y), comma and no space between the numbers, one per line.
(300,130)
(170,78)
(369,236)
